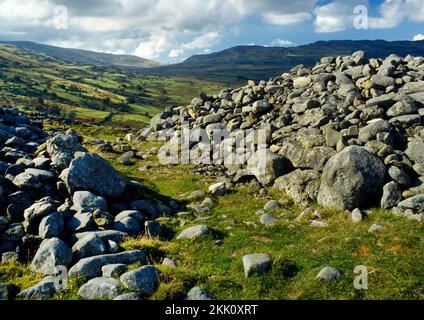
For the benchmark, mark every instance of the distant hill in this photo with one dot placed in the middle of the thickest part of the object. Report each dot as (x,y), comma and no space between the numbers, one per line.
(256,62)
(31,80)
(84,56)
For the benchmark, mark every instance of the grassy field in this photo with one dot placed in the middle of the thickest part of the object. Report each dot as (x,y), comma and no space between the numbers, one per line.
(34,81)
(393,257)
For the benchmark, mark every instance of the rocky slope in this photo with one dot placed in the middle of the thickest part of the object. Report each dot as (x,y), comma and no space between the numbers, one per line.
(346,133)
(61,206)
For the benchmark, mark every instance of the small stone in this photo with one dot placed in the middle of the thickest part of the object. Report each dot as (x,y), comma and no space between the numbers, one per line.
(272,206)
(169,262)
(197,293)
(218,189)
(318,224)
(195,231)
(153,229)
(356,215)
(268,220)
(376,228)
(143,280)
(330,274)
(256,263)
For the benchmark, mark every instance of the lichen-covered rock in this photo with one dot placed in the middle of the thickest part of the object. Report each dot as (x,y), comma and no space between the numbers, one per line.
(351,178)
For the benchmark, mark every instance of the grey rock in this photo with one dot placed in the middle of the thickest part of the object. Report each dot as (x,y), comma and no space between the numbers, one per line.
(356,215)
(169,262)
(128,297)
(415,151)
(37,211)
(376,228)
(144,280)
(128,225)
(13,233)
(26,180)
(90,245)
(414,203)
(91,267)
(261,107)
(330,274)
(43,290)
(194,231)
(419,168)
(218,189)
(51,226)
(135,214)
(62,147)
(197,294)
(52,253)
(272,206)
(370,131)
(81,221)
(196,195)
(392,195)
(349,178)
(256,263)
(114,270)
(107,235)
(318,224)
(301,185)
(266,166)
(85,201)
(268,220)
(100,288)
(91,172)
(400,176)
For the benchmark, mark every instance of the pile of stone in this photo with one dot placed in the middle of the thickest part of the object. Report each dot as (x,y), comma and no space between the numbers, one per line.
(346,133)
(62,206)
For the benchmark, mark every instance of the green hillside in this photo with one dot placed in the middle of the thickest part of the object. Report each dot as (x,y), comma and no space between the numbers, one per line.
(84,56)
(32,80)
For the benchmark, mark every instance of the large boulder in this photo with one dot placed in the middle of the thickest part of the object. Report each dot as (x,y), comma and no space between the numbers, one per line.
(266,166)
(144,280)
(62,147)
(100,288)
(301,185)
(43,290)
(91,267)
(91,172)
(352,178)
(52,253)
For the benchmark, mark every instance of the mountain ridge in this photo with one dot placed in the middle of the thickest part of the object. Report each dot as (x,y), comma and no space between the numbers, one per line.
(81,56)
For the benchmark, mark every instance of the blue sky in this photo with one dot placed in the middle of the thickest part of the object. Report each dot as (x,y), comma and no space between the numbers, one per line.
(172,30)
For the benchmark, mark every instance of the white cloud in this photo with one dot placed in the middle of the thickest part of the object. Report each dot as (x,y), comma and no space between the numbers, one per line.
(418,37)
(154,46)
(339,15)
(392,12)
(282,43)
(204,41)
(175,53)
(335,16)
(288,19)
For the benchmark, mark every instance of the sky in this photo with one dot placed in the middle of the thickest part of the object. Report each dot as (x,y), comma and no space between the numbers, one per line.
(173,30)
